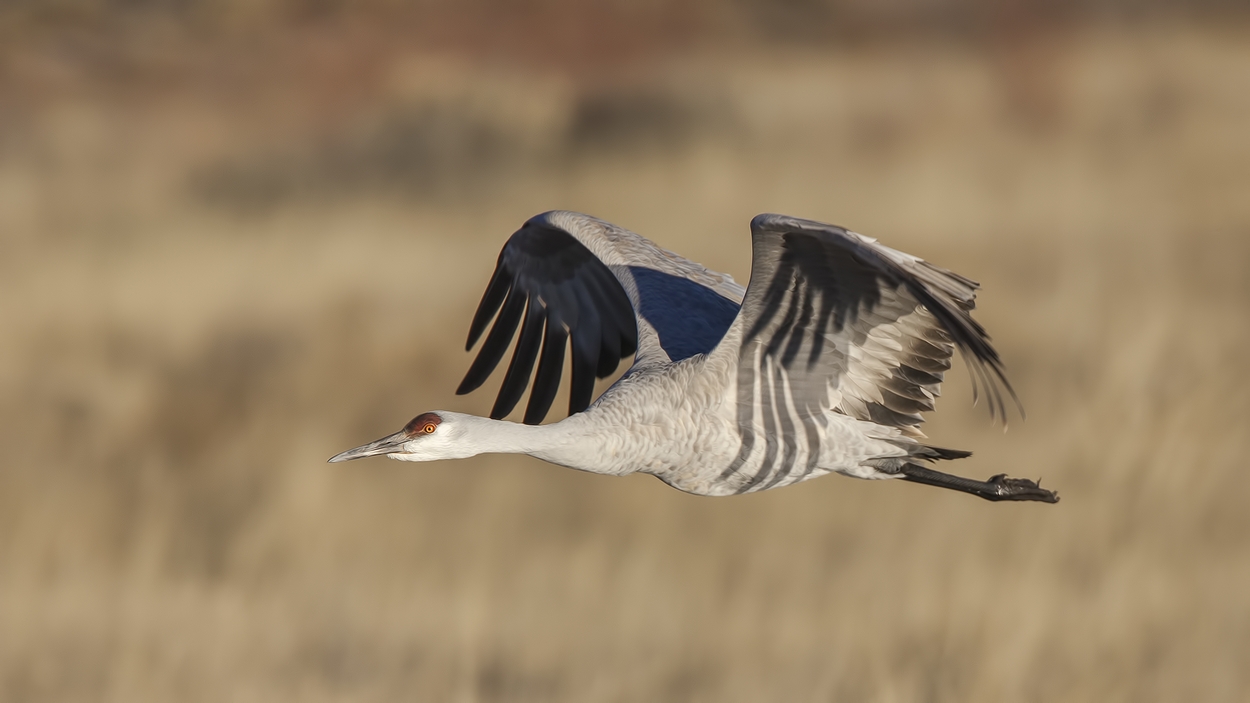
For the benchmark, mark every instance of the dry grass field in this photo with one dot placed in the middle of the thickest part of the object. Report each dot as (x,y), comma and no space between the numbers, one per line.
(224,258)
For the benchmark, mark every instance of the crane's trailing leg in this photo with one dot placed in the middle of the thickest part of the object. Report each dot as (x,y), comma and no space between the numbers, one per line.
(998,488)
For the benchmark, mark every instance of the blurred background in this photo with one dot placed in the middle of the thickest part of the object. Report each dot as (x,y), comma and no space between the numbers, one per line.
(239,236)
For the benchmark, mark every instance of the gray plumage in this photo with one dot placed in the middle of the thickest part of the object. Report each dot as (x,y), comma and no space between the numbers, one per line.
(823,363)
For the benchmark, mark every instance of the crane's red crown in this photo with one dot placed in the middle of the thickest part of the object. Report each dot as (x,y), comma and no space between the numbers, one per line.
(425,423)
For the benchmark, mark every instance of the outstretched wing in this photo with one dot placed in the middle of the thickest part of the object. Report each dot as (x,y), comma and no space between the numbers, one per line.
(834,320)
(556,290)
(605,292)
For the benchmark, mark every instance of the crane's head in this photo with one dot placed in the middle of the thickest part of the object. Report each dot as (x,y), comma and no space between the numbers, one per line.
(429,436)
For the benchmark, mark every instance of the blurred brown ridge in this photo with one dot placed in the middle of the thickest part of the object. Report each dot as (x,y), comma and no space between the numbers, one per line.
(239,237)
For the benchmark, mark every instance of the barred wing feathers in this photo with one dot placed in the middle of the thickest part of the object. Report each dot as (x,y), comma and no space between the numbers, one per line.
(834,320)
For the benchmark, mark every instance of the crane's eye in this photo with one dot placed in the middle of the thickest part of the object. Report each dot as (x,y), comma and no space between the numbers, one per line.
(425,423)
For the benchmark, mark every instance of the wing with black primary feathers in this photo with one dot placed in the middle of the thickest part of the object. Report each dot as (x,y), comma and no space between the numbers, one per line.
(567,278)
(557,291)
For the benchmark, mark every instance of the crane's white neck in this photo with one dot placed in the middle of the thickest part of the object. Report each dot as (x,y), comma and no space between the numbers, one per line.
(486,436)
(570,442)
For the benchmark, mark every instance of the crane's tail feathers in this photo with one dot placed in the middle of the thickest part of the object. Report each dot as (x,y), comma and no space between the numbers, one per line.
(915,450)
(934,453)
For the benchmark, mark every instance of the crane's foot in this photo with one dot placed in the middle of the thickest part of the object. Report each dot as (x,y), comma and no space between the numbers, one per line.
(998,488)
(1004,488)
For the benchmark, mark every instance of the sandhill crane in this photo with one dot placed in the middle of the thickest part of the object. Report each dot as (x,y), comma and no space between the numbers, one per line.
(823,363)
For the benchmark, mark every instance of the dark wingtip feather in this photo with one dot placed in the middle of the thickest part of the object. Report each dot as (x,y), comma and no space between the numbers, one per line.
(492,299)
(496,344)
(629,343)
(523,357)
(582,387)
(609,354)
(547,380)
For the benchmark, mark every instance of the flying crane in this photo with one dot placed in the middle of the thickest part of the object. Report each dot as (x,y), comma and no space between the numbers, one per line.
(822,364)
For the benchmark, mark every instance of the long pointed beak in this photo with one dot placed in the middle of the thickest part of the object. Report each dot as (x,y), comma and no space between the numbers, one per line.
(386,445)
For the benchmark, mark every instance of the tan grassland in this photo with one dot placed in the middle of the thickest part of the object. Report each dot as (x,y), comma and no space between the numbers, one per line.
(215,275)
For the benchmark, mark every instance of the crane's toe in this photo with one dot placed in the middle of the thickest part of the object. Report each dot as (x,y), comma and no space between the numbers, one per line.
(1004,488)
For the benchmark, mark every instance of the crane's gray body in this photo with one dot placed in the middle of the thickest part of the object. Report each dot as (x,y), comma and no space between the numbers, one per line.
(678,423)
(682,413)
